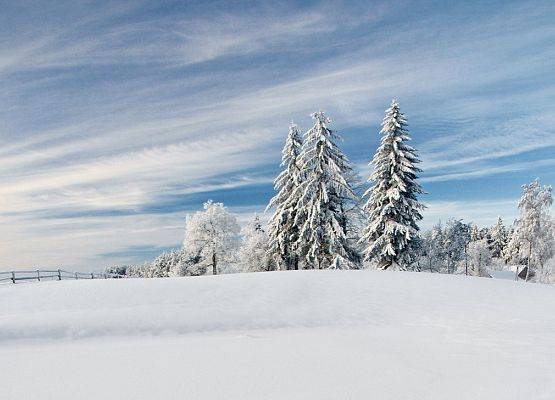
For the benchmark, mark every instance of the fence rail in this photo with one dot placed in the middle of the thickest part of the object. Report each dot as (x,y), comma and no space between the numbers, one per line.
(51,275)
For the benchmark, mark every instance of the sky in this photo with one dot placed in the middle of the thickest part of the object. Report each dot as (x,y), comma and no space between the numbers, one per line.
(117,119)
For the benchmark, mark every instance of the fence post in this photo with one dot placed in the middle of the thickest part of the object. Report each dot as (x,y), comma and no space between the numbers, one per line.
(13,276)
(38,275)
(59,274)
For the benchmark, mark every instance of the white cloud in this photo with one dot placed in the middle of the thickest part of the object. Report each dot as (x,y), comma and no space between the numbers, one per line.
(83,130)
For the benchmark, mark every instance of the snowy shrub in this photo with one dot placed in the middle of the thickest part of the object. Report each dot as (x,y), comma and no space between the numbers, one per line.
(117,269)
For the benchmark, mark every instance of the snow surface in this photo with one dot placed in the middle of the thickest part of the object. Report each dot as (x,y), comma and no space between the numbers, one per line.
(279,335)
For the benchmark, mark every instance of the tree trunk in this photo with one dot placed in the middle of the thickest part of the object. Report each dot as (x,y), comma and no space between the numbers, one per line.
(465,260)
(528,261)
(214,265)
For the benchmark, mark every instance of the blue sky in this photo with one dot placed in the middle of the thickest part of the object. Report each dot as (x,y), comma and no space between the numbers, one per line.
(119,118)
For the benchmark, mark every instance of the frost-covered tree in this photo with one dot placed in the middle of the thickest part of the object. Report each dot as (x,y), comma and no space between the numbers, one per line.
(475,234)
(498,238)
(138,271)
(187,264)
(392,206)
(533,228)
(161,266)
(511,252)
(342,263)
(175,263)
(479,257)
(456,237)
(548,272)
(324,198)
(117,270)
(282,230)
(431,250)
(254,255)
(544,251)
(213,235)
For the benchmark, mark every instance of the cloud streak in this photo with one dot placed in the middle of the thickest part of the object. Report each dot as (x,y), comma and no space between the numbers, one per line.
(119,109)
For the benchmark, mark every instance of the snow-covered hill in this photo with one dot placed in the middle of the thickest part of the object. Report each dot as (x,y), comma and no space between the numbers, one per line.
(284,335)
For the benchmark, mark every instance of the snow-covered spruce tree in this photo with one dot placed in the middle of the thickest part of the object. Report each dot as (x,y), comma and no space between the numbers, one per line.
(213,235)
(534,226)
(254,255)
(392,207)
(282,230)
(498,238)
(325,197)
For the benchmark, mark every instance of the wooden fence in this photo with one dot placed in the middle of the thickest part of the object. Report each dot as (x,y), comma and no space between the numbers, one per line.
(51,275)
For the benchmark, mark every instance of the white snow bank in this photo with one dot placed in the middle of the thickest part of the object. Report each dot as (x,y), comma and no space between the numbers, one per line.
(92,308)
(285,335)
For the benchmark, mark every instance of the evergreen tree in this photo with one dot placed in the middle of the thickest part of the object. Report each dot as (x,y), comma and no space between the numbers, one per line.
(392,204)
(324,198)
(282,230)
(498,238)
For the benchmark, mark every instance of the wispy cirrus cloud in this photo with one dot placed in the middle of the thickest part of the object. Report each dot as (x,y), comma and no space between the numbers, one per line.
(111,112)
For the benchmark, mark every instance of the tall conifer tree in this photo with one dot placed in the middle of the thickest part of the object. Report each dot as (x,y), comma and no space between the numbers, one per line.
(325,197)
(498,238)
(282,230)
(392,206)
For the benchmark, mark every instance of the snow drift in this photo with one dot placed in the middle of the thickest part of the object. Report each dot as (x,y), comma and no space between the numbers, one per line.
(279,335)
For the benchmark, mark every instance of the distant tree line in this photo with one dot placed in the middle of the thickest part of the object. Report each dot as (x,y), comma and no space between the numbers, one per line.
(319,220)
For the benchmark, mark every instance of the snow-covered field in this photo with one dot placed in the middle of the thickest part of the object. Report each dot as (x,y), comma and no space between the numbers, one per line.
(284,335)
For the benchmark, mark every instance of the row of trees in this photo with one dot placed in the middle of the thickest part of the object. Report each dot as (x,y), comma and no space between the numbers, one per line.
(214,243)
(320,221)
(464,248)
